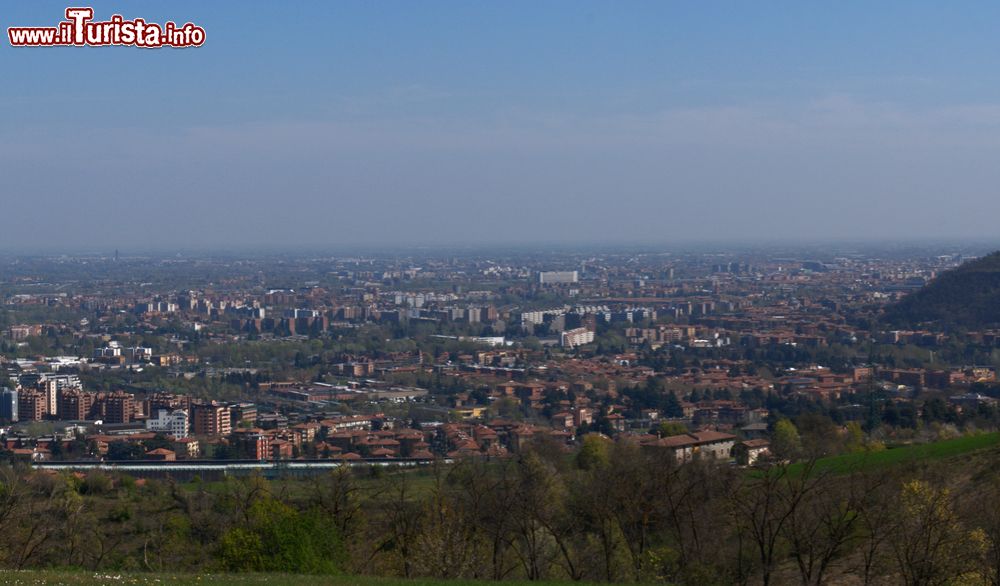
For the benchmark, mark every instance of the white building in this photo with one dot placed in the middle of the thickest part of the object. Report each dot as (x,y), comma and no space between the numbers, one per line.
(557,277)
(576,337)
(174,423)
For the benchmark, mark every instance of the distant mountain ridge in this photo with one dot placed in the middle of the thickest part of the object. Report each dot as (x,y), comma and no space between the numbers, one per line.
(965,297)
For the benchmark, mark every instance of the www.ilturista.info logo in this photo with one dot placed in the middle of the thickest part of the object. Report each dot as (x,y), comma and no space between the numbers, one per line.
(80,30)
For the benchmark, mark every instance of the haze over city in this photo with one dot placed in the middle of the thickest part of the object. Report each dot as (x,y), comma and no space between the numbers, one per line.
(348,123)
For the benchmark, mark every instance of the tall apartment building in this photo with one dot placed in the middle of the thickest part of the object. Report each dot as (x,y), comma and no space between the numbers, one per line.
(576,337)
(75,405)
(50,388)
(119,407)
(32,405)
(210,419)
(51,384)
(62,381)
(166,401)
(242,412)
(253,444)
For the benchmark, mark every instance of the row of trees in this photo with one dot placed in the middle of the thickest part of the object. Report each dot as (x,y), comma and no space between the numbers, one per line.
(612,512)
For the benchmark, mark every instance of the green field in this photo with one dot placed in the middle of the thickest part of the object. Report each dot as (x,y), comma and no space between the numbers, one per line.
(859,461)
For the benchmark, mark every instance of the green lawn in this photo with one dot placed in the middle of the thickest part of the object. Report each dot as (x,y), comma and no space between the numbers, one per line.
(846,463)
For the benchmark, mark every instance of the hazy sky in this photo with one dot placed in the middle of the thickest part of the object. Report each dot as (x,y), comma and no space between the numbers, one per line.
(331,122)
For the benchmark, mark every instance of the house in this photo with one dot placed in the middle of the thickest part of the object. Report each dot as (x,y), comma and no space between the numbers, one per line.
(755,431)
(161,454)
(748,452)
(188,447)
(702,445)
(617,422)
(563,420)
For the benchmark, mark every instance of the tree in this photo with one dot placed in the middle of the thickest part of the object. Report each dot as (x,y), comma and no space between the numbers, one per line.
(594,453)
(277,538)
(819,436)
(669,428)
(930,546)
(821,530)
(125,451)
(785,440)
(672,406)
(762,508)
(542,532)
(874,495)
(400,522)
(448,544)
(855,441)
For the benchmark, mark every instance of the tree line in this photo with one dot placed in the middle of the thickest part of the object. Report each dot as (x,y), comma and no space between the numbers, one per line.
(611,512)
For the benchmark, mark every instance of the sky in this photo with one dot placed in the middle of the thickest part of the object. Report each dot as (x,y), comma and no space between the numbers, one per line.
(331,122)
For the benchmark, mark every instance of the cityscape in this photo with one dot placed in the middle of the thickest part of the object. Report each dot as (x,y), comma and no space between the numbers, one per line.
(447,356)
(365,378)
(439,293)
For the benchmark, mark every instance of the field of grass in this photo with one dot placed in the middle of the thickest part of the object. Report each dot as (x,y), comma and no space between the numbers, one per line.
(847,463)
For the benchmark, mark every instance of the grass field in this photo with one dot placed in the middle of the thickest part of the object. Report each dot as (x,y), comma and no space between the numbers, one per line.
(847,463)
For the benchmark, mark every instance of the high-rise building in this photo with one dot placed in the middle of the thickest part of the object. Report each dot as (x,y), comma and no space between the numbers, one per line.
(8,404)
(240,413)
(166,401)
(576,337)
(51,384)
(253,444)
(75,405)
(210,419)
(119,407)
(32,405)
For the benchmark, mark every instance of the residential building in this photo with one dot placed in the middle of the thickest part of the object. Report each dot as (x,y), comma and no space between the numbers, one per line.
(210,419)
(576,337)
(174,423)
(557,277)
(32,405)
(119,407)
(708,445)
(75,405)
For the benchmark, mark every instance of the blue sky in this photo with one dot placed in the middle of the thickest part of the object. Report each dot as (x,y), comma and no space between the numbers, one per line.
(330,123)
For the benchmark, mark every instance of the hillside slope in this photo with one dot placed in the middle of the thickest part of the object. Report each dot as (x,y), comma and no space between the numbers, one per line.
(968,297)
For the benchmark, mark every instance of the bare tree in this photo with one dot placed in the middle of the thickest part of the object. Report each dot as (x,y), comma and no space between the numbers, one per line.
(762,506)
(821,529)
(874,495)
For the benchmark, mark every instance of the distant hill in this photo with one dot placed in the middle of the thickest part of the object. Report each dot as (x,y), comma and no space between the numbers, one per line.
(968,297)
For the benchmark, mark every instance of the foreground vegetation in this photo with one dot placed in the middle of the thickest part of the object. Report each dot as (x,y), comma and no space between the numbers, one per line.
(612,512)
(81,578)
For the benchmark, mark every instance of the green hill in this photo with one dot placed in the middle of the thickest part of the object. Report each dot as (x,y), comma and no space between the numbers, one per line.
(967,297)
